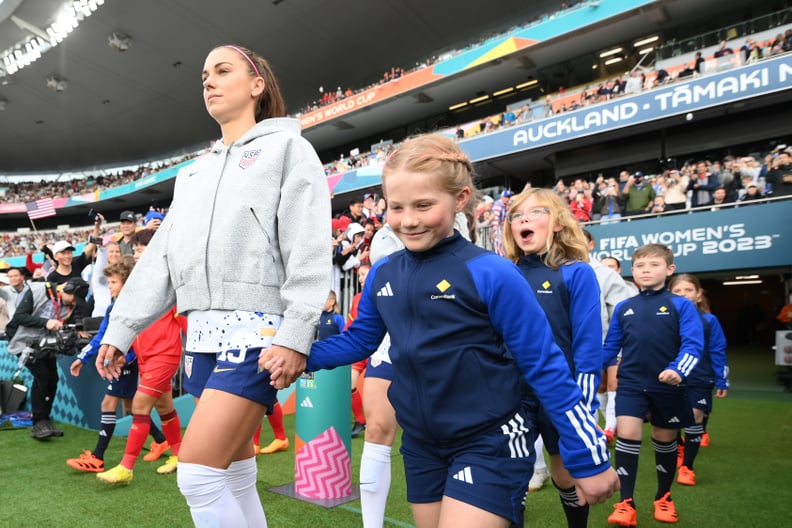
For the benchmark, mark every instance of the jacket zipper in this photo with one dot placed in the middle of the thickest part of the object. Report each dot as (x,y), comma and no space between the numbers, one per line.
(211,221)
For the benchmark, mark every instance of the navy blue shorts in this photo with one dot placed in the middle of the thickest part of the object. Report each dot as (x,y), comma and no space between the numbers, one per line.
(126,385)
(198,367)
(701,398)
(379,364)
(665,409)
(236,372)
(490,471)
(379,369)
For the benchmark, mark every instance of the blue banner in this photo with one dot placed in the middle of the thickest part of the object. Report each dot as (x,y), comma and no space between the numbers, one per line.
(747,82)
(747,237)
(142,183)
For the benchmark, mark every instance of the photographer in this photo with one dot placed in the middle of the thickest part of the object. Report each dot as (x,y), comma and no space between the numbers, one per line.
(609,202)
(676,190)
(37,333)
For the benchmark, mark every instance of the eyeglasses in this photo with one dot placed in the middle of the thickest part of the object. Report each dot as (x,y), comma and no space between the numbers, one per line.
(533,214)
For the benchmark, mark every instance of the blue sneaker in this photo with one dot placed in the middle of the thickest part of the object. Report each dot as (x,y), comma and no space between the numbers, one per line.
(357,429)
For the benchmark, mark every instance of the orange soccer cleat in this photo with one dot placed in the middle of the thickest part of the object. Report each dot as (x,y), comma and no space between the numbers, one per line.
(665,511)
(624,514)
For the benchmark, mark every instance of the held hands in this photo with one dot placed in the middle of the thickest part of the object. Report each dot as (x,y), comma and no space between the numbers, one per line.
(597,488)
(109,362)
(284,365)
(670,377)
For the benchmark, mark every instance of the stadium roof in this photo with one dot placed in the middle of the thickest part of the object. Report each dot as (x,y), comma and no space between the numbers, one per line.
(143,104)
(146,102)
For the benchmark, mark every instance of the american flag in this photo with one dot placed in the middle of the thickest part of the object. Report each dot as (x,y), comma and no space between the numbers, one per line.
(40,208)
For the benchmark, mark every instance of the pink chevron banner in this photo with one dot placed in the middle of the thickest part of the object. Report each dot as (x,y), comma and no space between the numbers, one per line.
(322,468)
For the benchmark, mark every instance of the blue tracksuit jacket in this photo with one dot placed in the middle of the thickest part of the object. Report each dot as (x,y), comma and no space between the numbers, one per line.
(92,348)
(464,329)
(711,370)
(655,330)
(570,297)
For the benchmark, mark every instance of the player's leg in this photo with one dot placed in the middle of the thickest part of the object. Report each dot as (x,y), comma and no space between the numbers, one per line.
(610,408)
(540,472)
(357,399)
(602,392)
(426,515)
(281,442)
(109,408)
(701,401)
(171,428)
(457,514)
(375,463)
(217,469)
(218,434)
(576,515)
(631,409)
(670,411)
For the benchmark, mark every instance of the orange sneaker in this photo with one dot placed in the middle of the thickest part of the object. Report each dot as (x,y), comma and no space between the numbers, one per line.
(86,462)
(275,446)
(624,514)
(665,511)
(680,454)
(705,440)
(156,450)
(686,476)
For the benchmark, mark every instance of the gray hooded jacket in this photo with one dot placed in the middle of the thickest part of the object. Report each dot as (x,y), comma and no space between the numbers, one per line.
(247,230)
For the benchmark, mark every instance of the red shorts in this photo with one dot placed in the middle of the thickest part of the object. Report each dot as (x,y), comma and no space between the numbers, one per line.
(156,376)
(360,366)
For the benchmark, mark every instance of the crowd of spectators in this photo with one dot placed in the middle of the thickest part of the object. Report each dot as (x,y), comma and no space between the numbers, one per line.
(706,184)
(703,183)
(27,244)
(696,183)
(28,191)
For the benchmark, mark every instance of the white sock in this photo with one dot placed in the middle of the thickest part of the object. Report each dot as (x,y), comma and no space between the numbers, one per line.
(212,505)
(241,480)
(540,464)
(610,411)
(375,480)
(603,399)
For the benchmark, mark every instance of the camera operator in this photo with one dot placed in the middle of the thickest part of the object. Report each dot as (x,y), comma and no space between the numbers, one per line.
(41,310)
(676,190)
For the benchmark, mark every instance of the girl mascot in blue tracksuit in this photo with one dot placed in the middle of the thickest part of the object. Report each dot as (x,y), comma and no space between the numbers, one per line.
(711,373)
(547,244)
(464,331)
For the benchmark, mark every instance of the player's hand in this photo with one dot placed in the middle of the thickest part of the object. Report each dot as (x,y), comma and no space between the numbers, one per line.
(284,365)
(670,377)
(75,367)
(721,393)
(109,362)
(597,488)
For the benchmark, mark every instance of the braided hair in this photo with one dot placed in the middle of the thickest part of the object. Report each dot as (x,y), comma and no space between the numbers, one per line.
(441,157)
